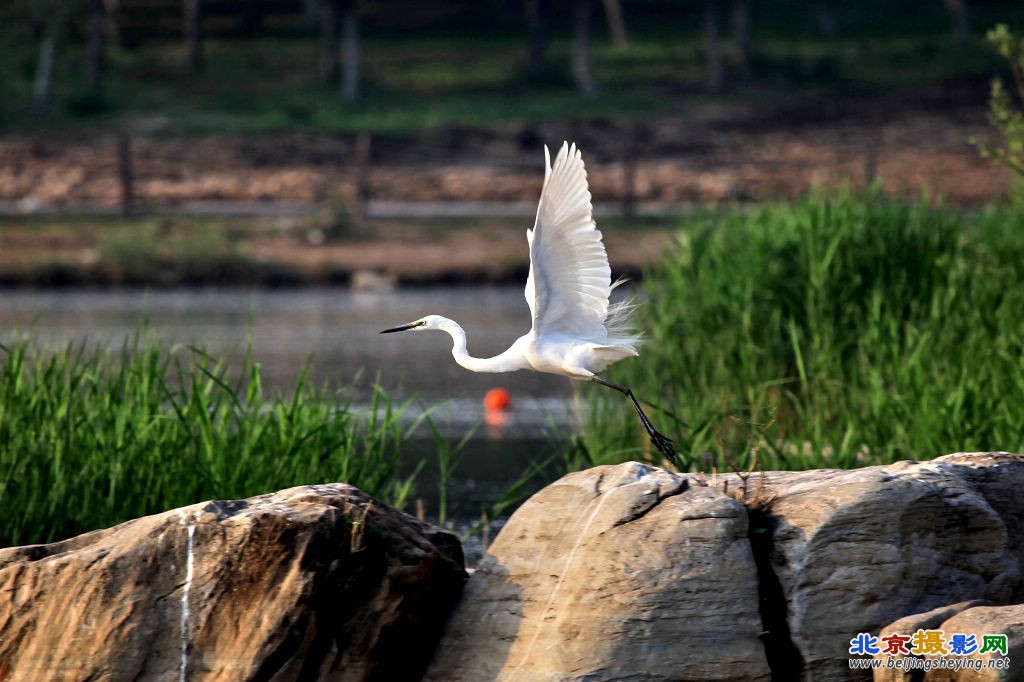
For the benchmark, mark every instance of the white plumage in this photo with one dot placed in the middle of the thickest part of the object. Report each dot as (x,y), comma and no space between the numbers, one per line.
(576,332)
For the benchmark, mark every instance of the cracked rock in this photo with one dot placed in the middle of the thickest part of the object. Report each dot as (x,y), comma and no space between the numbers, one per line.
(633,573)
(853,551)
(620,572)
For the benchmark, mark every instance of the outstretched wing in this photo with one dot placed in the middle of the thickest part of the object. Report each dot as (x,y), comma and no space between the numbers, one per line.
(570,280)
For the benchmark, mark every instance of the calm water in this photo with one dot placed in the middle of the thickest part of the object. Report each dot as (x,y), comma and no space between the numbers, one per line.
(335,329)
(336,332)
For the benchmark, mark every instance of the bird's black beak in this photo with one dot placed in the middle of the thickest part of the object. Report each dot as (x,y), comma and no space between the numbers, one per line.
(400,328)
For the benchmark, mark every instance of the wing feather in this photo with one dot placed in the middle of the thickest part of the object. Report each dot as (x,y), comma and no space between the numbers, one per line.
(570,279)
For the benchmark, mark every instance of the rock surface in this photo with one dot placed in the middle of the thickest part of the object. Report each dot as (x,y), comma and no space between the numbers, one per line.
(1005,620)
(854,550)
(970,618)
(906,626)
(618,572)
(314,582)
(633,573)
(999,478)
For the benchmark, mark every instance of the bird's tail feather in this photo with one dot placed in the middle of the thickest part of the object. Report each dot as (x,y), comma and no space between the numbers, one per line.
(620,323)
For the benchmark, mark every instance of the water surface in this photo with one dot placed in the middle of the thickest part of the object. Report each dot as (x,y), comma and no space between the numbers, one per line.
(335,330)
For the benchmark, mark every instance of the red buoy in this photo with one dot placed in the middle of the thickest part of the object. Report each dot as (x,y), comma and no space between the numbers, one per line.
(497,399)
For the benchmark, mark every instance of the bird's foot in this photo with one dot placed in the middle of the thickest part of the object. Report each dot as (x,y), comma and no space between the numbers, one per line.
(664,445)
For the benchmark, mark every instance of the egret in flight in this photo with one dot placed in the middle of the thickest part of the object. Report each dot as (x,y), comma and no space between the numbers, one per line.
(576,332)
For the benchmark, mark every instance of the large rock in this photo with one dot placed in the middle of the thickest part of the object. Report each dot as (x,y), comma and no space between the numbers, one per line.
(633,573)
(615,573)
(996,620)
(315,582)
(999,478)
(971,618)
(906,627)
(852,551)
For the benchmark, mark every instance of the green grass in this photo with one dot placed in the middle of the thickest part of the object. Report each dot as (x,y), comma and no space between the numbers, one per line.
(833,332)
(89,439)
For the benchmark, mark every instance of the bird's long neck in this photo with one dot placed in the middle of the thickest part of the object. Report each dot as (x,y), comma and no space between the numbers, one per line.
(508,361)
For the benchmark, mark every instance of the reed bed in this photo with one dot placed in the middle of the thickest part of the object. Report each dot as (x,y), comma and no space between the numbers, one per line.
(89,438)
(835,331)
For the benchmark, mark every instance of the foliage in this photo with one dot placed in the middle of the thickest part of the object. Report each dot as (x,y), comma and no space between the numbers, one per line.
(449,75)
(831,332)
(1005,103)
(89,439)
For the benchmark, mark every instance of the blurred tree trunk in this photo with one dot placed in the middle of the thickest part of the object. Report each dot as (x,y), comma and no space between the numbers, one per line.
(712,45)
(616,24)
(340,26)
(581,49)
(95,60)
(250,22)
(330,28)
(126,172)
(536,13)
(825,11)
(42,86)
(111,23)
(961,22)
(741,36)
(194,34)
(352,53)
(310,16)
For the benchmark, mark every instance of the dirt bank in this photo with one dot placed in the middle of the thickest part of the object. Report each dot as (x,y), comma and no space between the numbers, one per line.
(302,189)
(913,141)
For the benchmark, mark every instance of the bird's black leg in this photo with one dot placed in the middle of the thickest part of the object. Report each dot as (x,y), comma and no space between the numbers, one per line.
(663,444)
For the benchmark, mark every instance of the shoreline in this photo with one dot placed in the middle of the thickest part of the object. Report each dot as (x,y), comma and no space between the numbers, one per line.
(161,250)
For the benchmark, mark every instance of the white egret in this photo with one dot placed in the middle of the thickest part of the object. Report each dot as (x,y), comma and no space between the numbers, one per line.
(576,332)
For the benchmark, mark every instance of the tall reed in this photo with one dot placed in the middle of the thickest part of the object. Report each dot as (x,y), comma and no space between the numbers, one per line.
(836,331)
(89,438)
